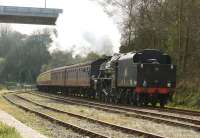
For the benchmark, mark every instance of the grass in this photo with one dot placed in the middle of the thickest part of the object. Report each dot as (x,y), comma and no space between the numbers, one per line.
(2,86)
(27,118)
(187,96)
(8,132)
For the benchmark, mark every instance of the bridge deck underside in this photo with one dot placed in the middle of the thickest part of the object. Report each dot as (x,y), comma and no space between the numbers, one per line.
(29,15)
(27,20)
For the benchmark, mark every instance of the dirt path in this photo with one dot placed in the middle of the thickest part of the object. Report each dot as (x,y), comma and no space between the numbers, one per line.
(25,131)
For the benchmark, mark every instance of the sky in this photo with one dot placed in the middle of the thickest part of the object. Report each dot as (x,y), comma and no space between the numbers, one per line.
(83,26)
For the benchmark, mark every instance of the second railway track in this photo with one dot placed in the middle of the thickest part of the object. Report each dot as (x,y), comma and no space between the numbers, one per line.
(124,116)
(87,126)
(192,123)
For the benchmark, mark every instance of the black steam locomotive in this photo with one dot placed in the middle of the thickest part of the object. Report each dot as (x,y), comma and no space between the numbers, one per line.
(138,78)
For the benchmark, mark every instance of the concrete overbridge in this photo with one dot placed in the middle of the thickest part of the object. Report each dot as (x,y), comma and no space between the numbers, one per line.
(29,15)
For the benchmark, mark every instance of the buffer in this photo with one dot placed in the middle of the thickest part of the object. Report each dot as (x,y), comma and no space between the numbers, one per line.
(29,15)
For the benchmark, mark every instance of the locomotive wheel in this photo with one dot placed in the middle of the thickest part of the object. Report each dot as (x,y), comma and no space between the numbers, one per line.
(162,103)
(101,97)
(115,97)
(145,99)
(110,99)
(138,99)
(115,100)
(134,99)
(162,100)
(104,99)
(130,98)
(153,102)
(154,99)
(146,102)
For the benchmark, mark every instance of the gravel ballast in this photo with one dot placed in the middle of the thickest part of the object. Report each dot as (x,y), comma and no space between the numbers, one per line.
(120,119)
(43,126)
(95,127)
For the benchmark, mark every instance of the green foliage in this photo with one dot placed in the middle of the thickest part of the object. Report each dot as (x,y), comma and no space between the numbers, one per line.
(62,58)
(8,132)
(187,95)
(2,87)
(2,64)
(22,56)
(92,56)
(169,25)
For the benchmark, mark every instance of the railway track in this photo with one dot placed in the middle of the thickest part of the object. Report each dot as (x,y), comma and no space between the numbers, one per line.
(135,112)
(166,109)
(87,132)
(176,110)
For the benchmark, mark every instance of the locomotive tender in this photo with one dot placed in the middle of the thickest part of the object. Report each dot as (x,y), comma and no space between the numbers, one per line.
(138,78)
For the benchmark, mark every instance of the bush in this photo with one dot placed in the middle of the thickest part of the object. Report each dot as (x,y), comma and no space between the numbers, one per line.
(187,94)
(8,132)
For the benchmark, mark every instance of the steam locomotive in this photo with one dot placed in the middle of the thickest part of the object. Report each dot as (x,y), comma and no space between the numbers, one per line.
(136,78)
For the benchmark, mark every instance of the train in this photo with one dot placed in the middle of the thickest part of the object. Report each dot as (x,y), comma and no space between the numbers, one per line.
(141,78)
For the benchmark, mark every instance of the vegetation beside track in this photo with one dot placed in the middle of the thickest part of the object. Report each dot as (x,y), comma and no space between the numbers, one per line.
(2,87)
(8,132)
(27,118)
(187,96)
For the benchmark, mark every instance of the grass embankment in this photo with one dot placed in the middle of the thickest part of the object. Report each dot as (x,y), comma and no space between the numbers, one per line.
(29,119)
(187,95)
(8,132)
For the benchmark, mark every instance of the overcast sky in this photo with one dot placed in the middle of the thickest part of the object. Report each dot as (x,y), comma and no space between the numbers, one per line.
(83,23)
